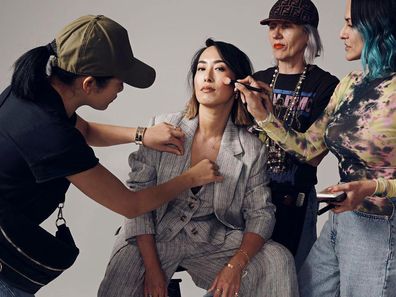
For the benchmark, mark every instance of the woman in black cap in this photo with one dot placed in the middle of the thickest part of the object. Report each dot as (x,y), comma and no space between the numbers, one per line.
(300,92)
(44,146)
(355,253)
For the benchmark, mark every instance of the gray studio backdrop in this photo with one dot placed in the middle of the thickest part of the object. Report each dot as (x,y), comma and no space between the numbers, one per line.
(165,34)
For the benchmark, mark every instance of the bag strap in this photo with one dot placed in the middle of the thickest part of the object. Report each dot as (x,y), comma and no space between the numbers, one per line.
(60,219)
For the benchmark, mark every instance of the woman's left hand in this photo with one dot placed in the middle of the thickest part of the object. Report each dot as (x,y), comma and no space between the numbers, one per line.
(356,191)
(227,282)
(165,137)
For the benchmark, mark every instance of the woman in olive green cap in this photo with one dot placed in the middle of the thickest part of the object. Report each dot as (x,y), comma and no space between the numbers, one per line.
(45,146)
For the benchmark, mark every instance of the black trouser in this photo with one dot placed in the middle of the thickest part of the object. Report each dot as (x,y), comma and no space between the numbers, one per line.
(290,216)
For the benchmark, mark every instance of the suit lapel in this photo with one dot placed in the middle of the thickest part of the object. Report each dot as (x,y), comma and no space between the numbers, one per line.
(230,168)
(172,165)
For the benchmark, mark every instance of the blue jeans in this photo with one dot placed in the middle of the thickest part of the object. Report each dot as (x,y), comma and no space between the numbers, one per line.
(353,257)
(6,290)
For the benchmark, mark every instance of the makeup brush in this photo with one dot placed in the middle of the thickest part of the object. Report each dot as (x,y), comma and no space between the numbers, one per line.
(228,81)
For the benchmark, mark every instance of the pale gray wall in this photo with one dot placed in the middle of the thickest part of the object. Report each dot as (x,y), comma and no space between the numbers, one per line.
(165,34)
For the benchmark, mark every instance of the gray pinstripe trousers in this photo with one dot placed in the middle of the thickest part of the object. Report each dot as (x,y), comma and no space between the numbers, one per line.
(271,273)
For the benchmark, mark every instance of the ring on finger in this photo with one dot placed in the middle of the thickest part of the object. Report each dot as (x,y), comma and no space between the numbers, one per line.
(218,290)
(236,294)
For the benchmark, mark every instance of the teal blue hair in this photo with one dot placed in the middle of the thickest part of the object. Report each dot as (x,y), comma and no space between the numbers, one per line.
(375,20)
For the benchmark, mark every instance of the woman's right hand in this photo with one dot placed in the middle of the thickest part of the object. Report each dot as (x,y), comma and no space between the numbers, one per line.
(155,283)
(165,137)
(259,105)
(204,172)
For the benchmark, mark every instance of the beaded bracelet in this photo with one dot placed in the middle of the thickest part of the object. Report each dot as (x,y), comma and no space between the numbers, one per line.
(139,135)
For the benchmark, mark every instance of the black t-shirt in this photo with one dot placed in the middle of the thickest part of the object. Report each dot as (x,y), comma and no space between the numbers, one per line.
(316,90)
(39,147)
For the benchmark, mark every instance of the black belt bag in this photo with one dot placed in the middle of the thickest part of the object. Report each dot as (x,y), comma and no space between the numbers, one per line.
(31,257)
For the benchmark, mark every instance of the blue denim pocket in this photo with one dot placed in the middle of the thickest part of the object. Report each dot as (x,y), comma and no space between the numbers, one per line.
(376,208)
(372,216)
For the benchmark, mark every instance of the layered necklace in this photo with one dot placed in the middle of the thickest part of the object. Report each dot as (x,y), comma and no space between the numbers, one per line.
(276,155)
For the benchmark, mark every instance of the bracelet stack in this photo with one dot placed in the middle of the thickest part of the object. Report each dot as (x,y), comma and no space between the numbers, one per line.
(245,254)
(243,271)
(380,187)
(385,187)
(232,266)
(140,135)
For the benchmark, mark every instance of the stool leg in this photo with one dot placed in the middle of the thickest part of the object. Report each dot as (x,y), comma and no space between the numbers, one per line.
(174,288)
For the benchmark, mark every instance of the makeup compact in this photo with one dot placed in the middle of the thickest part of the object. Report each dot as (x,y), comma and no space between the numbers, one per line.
(329,197)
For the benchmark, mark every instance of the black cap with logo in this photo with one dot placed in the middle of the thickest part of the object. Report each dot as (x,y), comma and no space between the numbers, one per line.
(299,12)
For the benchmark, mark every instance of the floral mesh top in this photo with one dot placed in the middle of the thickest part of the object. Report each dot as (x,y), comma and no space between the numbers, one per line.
(358,127)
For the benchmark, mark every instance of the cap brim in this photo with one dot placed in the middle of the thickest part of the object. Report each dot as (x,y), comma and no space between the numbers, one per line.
(268,20)
(138,74)
(265,21)
(285,19)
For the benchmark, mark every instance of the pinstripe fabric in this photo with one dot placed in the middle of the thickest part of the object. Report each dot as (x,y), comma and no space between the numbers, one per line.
(240,202)
(271,272)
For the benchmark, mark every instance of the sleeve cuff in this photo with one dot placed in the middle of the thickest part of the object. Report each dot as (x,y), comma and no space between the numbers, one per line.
(264,123)
(138,226)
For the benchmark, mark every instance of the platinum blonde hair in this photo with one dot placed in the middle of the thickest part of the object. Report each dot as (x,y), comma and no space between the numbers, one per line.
(314,45)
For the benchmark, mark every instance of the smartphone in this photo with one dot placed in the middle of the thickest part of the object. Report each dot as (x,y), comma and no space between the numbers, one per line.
(325,196)
(208,294)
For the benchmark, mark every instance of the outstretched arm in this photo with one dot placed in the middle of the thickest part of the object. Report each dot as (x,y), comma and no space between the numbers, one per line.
(162,137)
(358,190)
(103,187)
(305,146)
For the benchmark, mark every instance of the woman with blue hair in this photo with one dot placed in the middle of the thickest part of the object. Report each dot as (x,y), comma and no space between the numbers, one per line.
(359,126)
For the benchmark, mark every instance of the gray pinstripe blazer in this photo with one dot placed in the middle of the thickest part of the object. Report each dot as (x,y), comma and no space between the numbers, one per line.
(242,201)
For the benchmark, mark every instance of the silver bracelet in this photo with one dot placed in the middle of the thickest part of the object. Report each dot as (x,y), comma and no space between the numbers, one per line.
(264,122)
(140,135)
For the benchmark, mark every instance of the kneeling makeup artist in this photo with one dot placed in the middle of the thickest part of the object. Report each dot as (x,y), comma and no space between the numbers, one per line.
(44,146)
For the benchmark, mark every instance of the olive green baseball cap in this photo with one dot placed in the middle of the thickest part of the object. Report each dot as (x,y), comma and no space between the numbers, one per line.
(98,46)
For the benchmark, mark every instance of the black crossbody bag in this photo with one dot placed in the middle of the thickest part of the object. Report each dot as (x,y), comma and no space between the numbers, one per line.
(31,257)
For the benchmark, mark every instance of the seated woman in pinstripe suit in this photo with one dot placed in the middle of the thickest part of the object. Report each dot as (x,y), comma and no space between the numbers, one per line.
(220,233)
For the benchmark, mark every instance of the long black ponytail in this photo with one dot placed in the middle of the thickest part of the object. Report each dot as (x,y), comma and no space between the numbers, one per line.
(29,77)
(30,80)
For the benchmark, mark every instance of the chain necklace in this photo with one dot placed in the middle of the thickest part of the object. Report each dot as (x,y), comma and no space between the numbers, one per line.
(276,155)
